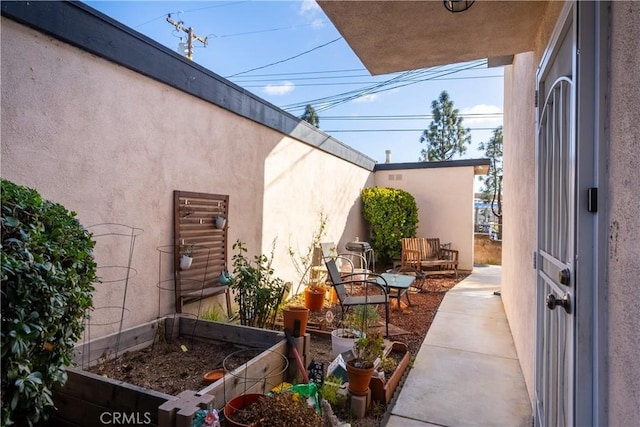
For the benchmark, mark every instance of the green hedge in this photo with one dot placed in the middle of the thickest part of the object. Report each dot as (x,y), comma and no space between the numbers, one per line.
(392,215)
(48,272)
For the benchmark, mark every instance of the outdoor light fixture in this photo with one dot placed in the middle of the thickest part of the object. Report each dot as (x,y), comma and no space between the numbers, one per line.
(456,6)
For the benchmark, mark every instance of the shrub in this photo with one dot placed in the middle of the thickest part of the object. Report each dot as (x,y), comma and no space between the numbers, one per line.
(47,275)
(392,214)
(257,291)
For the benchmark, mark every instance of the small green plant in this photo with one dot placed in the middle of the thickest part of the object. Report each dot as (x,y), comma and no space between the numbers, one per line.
(214,314)
(392,215)
(257,291)
(367,349)
(388,365)
(186,250)
(330,390)
(48,272)
(362,317)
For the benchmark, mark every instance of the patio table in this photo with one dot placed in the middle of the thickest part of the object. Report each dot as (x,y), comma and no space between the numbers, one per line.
(399,283)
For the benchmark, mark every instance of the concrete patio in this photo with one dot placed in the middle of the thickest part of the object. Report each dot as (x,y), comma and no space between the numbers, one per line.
(466,372)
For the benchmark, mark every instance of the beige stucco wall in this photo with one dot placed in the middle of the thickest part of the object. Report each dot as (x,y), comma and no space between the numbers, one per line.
(519,220)
(445,204)
(112,145)
(623,204)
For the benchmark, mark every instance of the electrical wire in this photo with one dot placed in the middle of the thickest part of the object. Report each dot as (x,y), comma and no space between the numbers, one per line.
(191,10)
(400,80)
(387,130)
(286,59)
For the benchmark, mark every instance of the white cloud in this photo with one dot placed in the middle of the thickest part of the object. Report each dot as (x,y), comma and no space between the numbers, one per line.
(367,98)
(309,7)
(279,89)
(317,23)
(483,115)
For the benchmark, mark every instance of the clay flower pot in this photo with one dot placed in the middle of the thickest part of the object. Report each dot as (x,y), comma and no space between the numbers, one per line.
(236,404)
(291,315)
(359,379)
(314,298)
(213,376)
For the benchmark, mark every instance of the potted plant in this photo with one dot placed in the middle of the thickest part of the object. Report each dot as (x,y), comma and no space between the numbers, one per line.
(295,319)
(186,256)
(310,266)
(355,326)
(219,221)
(359,369)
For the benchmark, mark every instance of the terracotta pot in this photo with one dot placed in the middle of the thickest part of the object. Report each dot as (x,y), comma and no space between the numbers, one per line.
(359,379)
(236,404)
(314,298)
(213,376)
(292,314)
(333,296)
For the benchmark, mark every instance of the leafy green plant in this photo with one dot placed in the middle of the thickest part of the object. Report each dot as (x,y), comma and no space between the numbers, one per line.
(257,291)
(330,390)
(392,214)
(214,314)
(48,272)
(367,349)
(361,318)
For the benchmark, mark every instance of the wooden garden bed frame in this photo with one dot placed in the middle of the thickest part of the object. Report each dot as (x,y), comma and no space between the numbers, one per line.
(88,399)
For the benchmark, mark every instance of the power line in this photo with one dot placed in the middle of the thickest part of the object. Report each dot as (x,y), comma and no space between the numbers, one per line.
(309,72)
(387,130)
(190,10)
(241,83)
(409,117)
(395,82)
(286,59)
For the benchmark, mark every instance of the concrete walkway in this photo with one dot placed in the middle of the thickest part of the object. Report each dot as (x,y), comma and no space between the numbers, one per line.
(466,372)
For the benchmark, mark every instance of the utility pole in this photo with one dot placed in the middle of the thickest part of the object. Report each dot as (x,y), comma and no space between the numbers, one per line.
(191,35)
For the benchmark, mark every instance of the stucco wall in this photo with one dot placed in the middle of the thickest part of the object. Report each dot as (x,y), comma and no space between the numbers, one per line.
(623,203)
(519,220)
(445,204)
(112,145)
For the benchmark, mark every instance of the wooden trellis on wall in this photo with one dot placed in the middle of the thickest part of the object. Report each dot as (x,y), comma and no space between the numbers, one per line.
(194,220)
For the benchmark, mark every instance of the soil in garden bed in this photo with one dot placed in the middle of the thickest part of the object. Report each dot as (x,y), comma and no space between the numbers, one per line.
(166,367)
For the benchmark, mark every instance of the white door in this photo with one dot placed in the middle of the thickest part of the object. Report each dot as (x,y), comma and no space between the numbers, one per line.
(555,266)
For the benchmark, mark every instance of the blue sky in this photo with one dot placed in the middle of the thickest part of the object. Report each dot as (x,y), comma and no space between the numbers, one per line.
(311,62)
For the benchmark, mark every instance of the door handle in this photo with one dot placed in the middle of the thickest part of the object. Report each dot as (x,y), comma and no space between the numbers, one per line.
(564,302)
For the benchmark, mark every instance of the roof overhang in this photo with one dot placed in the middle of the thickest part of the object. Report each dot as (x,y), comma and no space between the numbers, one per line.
(397,35)
(480,166)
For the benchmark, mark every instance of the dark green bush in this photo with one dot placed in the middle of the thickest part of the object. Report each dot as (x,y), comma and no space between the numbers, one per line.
(392,215)
(48,272)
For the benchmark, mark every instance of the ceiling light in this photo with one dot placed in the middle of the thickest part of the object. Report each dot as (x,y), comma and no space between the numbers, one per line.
(456,6)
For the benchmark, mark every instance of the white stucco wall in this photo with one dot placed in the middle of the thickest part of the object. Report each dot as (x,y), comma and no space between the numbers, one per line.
(445,204)
(623,205)
(519,220)
(113,145)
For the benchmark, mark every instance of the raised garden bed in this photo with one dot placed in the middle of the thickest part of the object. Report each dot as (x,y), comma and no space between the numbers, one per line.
(91,399)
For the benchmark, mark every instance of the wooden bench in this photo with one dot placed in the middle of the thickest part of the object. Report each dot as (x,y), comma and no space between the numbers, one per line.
(428,256)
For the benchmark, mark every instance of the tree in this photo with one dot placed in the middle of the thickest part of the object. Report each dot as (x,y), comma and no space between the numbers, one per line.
(446,136)
(492,188)
(310,116)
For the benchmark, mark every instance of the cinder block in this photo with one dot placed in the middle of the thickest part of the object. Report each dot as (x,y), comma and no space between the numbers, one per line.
(360,404)
(180,412)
